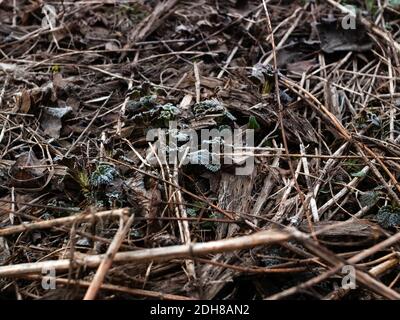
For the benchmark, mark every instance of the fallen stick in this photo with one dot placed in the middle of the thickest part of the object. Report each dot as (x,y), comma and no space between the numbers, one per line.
(62,221)
(47,224)
(152,21)
(156,254)
(337,263)
(116,288)
(105,265)
(332,121)
(375,271)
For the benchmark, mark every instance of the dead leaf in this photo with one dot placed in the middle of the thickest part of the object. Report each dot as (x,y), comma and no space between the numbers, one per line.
(51,121)
(58,81)
(25,101)
(334,38)
(300,67)
(146,200)
(27,171)
(111,46)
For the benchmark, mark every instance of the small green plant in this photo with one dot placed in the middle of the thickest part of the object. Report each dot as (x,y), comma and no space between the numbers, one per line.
(80,175)
(55,68)
(195,211)
(359,174)
(371,6)
(253,124)
(211,225)
(388,216)
(394,3)
(369,198)
(192,212)
(213,167)
(168,113)
(102,175)
(212,106)
(134,11)
(267,87)
(265,75)
(146,102)
(93,181)
(353,167)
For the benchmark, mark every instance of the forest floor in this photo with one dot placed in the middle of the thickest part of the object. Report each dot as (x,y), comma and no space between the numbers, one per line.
(307,209)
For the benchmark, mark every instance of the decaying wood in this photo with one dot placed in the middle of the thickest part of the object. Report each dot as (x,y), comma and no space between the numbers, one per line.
(234,194)
(108,259)
(156,254)
(356,228)
(115,288)
(152,21)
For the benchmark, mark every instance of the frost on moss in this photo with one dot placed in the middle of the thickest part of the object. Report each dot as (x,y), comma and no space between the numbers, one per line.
(168,112)
(103,175)
(146,102)
(388,217)
(212,106)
